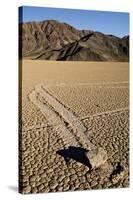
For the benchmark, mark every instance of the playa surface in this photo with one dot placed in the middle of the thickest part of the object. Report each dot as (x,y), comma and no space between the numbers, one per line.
(67,109)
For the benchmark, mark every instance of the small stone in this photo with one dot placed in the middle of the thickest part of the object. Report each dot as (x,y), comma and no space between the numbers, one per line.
(97,157)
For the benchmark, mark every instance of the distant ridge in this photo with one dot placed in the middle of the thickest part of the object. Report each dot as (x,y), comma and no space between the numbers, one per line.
(52,40)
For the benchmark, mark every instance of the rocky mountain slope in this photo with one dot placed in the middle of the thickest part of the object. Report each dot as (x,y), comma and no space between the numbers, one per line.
(52,40)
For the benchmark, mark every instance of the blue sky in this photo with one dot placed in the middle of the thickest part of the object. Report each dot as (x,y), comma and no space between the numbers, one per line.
(115,23)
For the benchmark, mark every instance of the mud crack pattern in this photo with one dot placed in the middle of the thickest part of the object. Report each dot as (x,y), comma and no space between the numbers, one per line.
(49,162)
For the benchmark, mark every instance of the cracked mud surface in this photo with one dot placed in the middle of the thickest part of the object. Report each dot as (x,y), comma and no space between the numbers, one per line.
(60,121)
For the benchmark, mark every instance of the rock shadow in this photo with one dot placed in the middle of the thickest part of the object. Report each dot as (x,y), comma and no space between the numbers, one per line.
(76,153)
(117,170)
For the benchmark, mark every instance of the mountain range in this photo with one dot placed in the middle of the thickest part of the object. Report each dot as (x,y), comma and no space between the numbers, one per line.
(52,40)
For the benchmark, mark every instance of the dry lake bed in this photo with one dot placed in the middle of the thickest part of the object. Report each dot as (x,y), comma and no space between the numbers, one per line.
(67,109)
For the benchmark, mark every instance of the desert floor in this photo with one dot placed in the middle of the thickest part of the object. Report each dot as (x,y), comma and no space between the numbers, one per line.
(66,108)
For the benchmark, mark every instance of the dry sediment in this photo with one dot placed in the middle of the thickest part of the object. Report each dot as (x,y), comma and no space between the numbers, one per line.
(45,146)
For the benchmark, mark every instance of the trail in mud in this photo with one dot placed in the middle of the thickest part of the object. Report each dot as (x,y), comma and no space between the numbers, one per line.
(105,113)
(66,124)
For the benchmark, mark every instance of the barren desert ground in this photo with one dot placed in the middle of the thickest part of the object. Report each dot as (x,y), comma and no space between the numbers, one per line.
(67,109)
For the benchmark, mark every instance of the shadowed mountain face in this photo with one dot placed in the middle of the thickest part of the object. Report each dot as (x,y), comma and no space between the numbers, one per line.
(52,40)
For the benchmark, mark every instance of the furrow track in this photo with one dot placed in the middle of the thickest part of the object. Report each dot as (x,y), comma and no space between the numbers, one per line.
(106,113)
(66,124)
